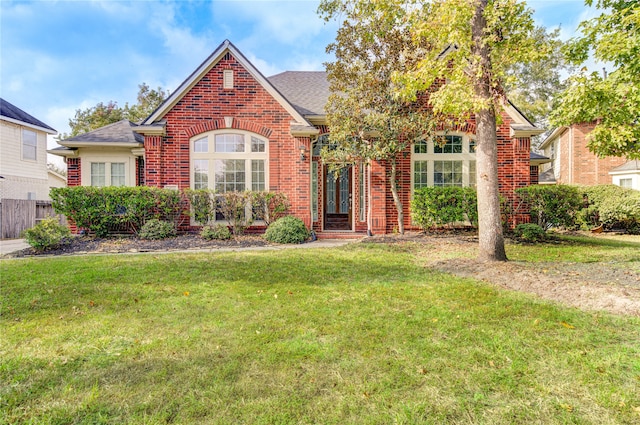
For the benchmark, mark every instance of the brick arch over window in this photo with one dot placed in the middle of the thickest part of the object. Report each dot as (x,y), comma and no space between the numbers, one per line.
(236,124)
(466,127)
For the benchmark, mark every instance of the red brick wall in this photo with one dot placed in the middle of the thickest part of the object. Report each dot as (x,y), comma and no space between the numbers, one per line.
(74,172)
(252,108)
(577,165)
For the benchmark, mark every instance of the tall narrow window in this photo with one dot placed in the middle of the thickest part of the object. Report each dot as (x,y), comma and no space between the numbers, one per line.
(29,145)
(314,190)
(362,195)
(117,174)
(98,174)
(257,175)
(201,174)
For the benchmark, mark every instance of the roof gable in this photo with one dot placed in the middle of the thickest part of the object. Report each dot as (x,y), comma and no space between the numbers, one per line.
(205,67)
(12,113)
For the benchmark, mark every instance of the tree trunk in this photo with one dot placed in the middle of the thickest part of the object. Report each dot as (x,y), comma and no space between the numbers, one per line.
(491,241)
(396,199)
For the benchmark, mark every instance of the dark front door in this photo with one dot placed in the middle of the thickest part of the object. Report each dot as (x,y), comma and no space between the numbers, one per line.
(337,199)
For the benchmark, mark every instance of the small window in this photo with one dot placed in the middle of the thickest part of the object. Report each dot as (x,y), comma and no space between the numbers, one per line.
(420,174)
(29,145)
(201,145)
(628,183)
(228,79)
(420,147)
(117,174)
(257,145)
(98,174)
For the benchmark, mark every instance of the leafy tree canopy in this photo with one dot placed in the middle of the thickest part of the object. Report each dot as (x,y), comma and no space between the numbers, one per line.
(103,114)
(613,102)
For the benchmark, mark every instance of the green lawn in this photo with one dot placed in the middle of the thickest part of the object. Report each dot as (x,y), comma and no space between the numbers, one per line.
(357,335)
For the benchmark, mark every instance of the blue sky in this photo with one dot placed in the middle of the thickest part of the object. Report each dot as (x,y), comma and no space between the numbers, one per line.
(59,56)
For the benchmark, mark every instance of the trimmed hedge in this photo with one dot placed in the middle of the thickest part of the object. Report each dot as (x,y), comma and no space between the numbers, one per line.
(102,209)
(613,206)
(440,206)
(155,229)
(552,206)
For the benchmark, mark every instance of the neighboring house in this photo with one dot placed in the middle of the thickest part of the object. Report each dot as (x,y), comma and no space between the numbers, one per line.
(228,128)
(56,179)
(23,154)
(571,160)
(627,175)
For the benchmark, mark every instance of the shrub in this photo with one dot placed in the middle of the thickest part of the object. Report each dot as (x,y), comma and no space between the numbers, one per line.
(269,206)
(439,206)
(217,232)
(615,207)
(287,229)
(529,232)
(233,207)
(552,206)
(47,234)
(157,229)
(202,204)
(102,209)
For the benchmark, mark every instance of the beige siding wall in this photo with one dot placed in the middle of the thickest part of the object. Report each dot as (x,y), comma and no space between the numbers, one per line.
(23,178)
(108,156)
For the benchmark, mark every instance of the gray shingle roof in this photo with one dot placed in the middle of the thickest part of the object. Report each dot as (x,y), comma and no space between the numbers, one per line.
(547,177)
(118,132)
(633,165)
(307,91)
(9,110)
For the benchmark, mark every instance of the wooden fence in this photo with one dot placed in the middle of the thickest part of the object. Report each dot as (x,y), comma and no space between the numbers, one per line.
(17,215)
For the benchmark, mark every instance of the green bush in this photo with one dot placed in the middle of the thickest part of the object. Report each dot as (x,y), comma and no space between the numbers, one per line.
(202,204)
(553,205)
(157,229)
(613,206)
(269,206)
(102,209)
(287,229)
(530,232)
(47,234)
(217,232)
(439,206)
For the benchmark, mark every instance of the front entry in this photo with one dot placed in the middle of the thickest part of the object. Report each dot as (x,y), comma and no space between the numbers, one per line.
(337,199)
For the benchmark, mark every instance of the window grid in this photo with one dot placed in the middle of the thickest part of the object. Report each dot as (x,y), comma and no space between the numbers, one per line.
(229,175)
(98,174)
(257,175)
(628,183)
(453,144)
(201,145)
(201,174)
(420,174)
(229,143)
(447,173)
(257,145)
(452,164)
(29,145)
(117,174)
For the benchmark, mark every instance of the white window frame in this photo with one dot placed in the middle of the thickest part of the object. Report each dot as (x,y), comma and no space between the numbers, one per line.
(626,182)
(28,146)
(430,157)
(108,176)
(211,157)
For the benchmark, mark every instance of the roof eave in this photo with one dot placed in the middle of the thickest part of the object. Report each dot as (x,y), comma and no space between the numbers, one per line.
(63,152)
(151,130)
(526,131)
(26,124)
(555,133)
(101,144)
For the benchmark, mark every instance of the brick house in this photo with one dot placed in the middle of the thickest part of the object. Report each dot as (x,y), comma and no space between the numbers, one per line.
(571,160)
(227,127)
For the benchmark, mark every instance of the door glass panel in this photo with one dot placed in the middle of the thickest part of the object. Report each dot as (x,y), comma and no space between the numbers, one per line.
(331,192)
(344,191)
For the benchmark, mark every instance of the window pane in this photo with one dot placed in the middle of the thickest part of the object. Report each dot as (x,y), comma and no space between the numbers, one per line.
(229,143)
(98,174)
(448,144)
(229,175)
(29,145)
(472,146)
(200,174)
(201,145)
(626,183)
(117,174)
(472,173)
(420,174)
(257,145)
(362,198)
(447,173)
(257,175)
(420,147)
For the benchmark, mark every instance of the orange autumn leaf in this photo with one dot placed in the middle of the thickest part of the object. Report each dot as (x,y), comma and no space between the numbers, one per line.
(566,325)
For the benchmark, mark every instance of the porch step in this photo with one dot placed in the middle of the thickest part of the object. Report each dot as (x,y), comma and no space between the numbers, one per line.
(340,235)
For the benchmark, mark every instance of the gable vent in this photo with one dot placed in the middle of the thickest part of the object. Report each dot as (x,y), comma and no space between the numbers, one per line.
(227,82)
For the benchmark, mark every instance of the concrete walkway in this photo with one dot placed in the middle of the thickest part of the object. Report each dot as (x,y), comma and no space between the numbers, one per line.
(11,245)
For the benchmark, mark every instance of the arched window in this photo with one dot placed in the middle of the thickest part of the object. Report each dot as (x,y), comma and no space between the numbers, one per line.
(229,160)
